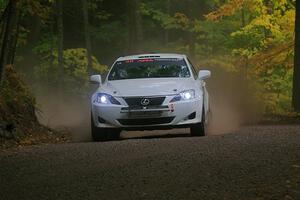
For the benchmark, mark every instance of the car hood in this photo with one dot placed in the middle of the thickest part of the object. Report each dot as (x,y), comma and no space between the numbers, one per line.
(149,87)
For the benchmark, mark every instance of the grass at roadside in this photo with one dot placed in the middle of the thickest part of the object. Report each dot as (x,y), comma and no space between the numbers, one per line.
(36,136)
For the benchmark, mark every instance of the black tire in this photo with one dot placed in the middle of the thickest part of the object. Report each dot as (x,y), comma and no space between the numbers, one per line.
(103,134)
(97,133)
(113,134)
(198,130)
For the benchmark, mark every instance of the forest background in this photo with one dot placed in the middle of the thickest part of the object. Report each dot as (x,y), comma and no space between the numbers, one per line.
(60,43)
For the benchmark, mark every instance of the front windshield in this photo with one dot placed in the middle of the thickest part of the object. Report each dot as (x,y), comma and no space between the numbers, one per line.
(149,68)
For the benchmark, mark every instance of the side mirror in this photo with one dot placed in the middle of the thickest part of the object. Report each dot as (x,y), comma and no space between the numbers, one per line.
(96,79)
(204,74)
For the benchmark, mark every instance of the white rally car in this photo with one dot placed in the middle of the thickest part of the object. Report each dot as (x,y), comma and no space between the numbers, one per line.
(148,92)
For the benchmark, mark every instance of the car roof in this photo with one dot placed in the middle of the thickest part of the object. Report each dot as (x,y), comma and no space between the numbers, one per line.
(154,55)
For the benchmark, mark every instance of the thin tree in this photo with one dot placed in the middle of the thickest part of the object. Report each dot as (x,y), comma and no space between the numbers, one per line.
(9,35)
(134,23)
(60,39)
(130,27)
(191,37)
(167,31)
(87,35)
(296,82)
(139,25)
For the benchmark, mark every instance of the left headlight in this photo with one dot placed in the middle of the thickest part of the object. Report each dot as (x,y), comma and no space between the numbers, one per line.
(184,96)
(103,98)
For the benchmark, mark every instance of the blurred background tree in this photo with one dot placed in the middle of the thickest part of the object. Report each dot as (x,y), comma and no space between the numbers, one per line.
(296,85)
(253,39)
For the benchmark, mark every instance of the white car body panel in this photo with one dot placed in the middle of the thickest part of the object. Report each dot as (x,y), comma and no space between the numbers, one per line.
(151,88)
(148,87)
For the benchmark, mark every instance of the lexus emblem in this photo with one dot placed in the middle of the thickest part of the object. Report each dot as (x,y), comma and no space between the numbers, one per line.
(145,102)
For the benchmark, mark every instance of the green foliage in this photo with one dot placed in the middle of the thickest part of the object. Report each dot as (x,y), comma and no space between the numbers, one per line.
(263,44)
(39,8)
(3,4)
(109,33)
(178,21)
(14,92)
(76,77)
(252,37)
(17,104)
(275,89)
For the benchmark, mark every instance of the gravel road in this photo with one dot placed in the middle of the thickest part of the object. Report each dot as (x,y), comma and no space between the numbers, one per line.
(261,162)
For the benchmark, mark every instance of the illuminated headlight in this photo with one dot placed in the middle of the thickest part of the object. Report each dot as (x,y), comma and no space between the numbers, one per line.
(103,98)
(184,96)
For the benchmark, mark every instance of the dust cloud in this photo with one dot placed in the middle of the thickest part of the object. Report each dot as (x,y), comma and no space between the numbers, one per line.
(66,112)
(232,102)
(229,105)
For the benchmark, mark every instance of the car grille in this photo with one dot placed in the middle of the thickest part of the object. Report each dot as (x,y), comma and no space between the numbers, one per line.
(137,101)
(147,121)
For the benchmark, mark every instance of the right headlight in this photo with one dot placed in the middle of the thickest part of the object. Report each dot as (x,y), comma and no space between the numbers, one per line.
(184,96)
(102,98)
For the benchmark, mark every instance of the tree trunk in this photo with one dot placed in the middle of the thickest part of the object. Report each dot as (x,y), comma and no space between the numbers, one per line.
(134,24)
(35,31)
(245,58)
(87,35)
(190,35)
(53,44)
(192,46)
(167,32)
(296,82)
(139,26)
(10,36)
(3,23)
(130,26)
(60,40)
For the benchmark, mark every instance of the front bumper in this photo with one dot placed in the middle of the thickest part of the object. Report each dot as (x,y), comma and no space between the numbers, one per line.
(182,113)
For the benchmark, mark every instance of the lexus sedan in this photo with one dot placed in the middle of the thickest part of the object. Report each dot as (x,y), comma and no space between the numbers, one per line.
(149,92)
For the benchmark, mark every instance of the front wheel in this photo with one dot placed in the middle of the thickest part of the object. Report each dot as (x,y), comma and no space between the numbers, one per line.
(103,134)
(198,130)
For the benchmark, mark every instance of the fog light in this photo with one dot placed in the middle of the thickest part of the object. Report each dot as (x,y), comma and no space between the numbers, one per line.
(101,120)
(192,116)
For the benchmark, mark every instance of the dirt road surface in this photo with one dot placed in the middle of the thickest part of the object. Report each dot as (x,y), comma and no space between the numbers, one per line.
(259,162)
